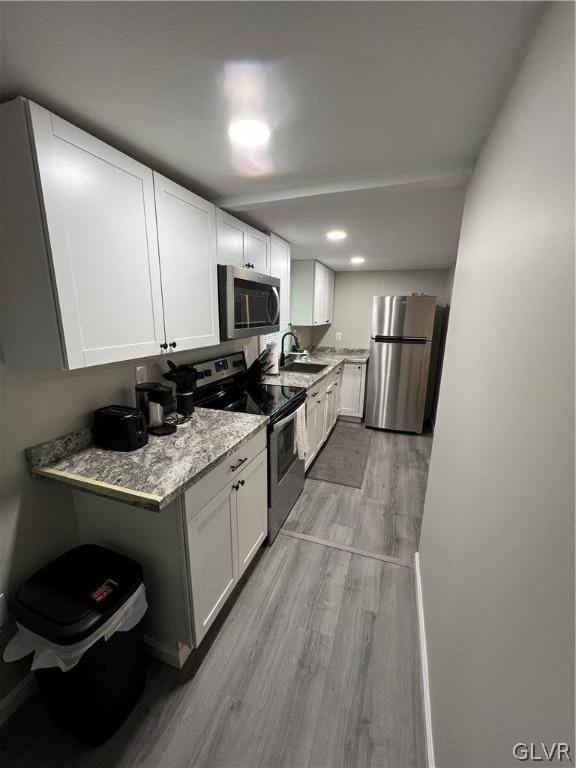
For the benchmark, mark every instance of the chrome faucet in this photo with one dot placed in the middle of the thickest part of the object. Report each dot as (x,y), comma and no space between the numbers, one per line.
(282,355)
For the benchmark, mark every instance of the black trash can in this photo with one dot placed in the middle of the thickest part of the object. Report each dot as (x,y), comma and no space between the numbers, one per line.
(68,601)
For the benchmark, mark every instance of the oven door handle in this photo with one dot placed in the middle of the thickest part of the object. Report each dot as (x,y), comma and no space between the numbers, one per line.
(280,424)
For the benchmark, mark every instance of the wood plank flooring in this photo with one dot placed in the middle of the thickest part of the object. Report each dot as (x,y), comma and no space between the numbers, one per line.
(383,516)
(315,664)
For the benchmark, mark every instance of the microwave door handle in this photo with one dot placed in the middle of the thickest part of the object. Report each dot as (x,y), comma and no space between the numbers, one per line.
(274,320)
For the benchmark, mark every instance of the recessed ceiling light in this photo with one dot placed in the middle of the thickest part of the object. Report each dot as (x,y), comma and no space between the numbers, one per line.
(336,234)
(357,260)
(249,133)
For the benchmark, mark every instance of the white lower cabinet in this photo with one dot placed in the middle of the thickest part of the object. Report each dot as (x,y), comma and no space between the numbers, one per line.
(353,387)
(194,551)
(251,510)
(322,412)
(223,537)
(212,558)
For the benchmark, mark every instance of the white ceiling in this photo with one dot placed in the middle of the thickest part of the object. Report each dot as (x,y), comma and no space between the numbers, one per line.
(357,94)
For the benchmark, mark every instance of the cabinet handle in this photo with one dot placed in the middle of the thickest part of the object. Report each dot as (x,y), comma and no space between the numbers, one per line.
(241,482)
(164,346)
(234,467)
(313,394)
(235,487)
(173,344)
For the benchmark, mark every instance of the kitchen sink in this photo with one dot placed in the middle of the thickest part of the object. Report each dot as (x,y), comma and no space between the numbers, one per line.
(303,368)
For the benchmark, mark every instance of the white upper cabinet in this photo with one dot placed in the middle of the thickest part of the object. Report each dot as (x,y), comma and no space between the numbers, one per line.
(101,227)
(106,261)
(312,289)
(280,268)
(231,233)
(241,245)
(257,250)
(187,247)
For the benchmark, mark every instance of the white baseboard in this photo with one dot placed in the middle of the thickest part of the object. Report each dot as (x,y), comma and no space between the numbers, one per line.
(166,653)
(424,662)
(16,697)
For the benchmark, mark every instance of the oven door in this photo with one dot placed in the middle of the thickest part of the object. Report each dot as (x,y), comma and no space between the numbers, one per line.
(249,303)
(285,473)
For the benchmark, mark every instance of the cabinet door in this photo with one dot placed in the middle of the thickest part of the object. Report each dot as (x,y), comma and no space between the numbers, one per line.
(312,411)
(352,390)
(212,549)
(319,293)
(328,295)
(251,510)
(257,250)
(327,418)
(280,268)
(338,394)
(230,240)
(187,247)
(101,223)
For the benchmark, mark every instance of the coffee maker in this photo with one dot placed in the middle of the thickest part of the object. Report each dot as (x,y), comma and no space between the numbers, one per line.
(154,399)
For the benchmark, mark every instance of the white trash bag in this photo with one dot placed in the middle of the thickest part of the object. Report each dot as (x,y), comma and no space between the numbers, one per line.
(65,657)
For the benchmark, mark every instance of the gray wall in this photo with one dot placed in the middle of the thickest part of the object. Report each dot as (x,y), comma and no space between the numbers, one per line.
(353,294)
(497,541)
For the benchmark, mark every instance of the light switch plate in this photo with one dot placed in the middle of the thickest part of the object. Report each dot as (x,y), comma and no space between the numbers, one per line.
(338,335)
(140,374)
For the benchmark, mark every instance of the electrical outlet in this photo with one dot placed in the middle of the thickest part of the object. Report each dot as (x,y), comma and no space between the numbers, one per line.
(338,335)
(140,374)
(3,610)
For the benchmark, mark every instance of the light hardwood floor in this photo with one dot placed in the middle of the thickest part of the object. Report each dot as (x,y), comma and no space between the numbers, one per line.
(315,664)
(384,515)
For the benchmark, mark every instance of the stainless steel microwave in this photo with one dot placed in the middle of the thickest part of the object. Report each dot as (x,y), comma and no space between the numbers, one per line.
(249,303)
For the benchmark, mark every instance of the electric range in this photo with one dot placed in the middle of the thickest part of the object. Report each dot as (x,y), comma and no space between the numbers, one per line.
(223,384)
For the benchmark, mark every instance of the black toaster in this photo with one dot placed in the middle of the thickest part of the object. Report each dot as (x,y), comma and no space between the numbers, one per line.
(119,428)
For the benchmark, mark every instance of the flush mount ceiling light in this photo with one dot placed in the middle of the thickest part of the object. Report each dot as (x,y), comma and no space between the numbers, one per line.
(336,234)
(249,133)
(357,260)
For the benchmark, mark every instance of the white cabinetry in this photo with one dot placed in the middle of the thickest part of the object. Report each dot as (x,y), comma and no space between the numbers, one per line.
(251,510)
(322,412)
(312,293)
(241,245)
(212,557)
(187,246)
(353,386)
(194,551)
(224,535)
(280,268)
(83,277)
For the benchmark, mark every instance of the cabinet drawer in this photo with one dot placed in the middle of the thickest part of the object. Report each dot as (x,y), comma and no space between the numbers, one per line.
(206,488)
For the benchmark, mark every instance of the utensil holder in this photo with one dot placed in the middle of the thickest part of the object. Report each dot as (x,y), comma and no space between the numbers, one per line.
(185,403)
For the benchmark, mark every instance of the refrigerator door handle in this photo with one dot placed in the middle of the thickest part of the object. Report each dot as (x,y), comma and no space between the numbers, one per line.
(401,339)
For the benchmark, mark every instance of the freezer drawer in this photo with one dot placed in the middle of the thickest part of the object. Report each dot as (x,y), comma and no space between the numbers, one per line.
(396,386)
(407,316)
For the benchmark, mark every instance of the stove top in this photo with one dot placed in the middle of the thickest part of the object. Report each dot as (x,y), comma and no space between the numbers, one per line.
(273,400)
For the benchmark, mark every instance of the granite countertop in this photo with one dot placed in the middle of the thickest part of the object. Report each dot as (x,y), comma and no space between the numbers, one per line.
(330,356)
(152,476)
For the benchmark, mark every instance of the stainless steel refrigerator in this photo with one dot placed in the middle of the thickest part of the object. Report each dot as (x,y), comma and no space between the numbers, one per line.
(402,329)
